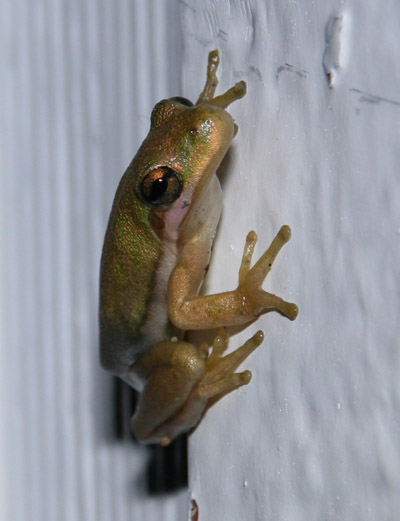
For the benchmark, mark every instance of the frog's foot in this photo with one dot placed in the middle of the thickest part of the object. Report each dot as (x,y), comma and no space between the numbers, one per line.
(256,300)
(220,377)
(212,80)
(166,394)
(207,96)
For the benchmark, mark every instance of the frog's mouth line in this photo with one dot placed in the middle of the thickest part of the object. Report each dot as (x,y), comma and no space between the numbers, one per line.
(189,216)
(175,216)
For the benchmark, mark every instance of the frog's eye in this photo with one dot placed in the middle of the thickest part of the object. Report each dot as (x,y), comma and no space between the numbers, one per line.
(161,186)
(182,101)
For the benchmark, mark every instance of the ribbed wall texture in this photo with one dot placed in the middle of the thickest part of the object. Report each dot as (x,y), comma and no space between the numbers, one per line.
(316,434)
(78,82)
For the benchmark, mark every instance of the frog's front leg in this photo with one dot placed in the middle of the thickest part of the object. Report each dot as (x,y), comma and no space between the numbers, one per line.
(246,303)
(179,380)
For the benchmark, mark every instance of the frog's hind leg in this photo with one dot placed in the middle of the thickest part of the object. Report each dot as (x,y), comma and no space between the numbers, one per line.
(219,379)
(182,381)
(170,370)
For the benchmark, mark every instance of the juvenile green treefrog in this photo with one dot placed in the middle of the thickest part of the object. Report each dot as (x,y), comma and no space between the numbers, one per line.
(155,256)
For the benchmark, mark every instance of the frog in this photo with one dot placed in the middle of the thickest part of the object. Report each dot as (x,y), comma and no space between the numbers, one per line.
(155,256)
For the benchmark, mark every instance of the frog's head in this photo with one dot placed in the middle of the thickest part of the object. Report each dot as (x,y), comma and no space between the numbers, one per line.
(183,150)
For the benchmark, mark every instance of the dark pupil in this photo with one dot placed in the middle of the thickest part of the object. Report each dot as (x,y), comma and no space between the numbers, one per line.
(159,187)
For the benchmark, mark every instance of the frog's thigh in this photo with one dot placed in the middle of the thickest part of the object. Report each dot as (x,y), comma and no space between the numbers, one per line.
(170,370)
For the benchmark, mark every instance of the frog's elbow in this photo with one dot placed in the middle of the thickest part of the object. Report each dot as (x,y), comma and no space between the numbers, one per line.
(176,319)
(181,315)
(175,313)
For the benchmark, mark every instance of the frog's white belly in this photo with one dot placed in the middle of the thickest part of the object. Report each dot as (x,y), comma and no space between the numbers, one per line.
(201,218)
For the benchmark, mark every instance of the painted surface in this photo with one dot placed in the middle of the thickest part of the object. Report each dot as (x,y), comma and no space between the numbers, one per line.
(316,433)
(76,94)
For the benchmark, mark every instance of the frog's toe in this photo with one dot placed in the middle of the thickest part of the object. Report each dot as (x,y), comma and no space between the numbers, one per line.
(221,378)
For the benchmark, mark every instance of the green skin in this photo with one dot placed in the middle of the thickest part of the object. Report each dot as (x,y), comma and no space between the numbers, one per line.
(135,240)
(153,263)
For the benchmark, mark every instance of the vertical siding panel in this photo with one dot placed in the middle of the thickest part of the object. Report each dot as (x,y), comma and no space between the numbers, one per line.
(75,102)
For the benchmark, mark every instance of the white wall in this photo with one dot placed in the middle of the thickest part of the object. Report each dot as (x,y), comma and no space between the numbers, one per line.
(316,433)
(78,82)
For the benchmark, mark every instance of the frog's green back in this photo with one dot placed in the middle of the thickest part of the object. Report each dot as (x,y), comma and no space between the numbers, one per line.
(129,262)
(183,149)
